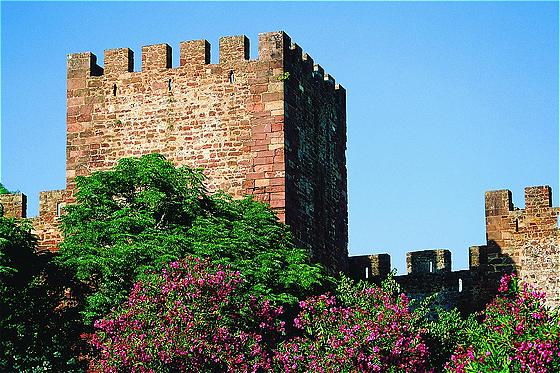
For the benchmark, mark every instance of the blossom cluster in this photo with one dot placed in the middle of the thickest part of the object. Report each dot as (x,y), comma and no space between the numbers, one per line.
(518,333)
(198,317)
(192,317)
(374,336)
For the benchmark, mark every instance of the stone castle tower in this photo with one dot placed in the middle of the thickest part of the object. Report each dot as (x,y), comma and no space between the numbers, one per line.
(273,127)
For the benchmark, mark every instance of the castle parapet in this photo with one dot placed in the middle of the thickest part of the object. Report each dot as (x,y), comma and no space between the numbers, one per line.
(117,61)
(478,257)
(428,261)
(369,266)
(498,202)
(13,205)
(273,45)
(234,48)
(537,197)
(82,65)
(51,204)
(194,52)
(156,57)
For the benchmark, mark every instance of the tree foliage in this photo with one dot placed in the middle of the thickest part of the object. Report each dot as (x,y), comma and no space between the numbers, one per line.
(364,329)
(3,189)
(37,333)
(145,212)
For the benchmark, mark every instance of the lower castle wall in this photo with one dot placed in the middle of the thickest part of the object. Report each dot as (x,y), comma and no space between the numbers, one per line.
(540,265)
(521,241)
(46,225)
(537,259)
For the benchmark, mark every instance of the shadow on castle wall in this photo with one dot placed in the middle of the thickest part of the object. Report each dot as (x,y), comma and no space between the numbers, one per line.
(521,241)
(429,272)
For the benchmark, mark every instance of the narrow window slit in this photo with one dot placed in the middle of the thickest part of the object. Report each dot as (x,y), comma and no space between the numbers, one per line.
(431,267)
(460,285)
(231,77)
(114,89)
(169,84)
(59,207)
(517,225)
(367,272)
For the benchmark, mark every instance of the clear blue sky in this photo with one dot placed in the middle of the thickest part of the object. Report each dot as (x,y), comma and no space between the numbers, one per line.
(445,100)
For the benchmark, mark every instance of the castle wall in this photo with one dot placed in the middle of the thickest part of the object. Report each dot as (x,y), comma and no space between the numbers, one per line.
(198,114)
(521,241)
(429,272)
(525,241)
(273,127)
(369,267)
(46,225)
(428,261)
(316,191)
(13,205)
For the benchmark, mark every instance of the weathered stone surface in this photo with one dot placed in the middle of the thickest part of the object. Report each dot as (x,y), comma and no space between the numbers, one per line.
(13,205)
(522,241)
(272,127)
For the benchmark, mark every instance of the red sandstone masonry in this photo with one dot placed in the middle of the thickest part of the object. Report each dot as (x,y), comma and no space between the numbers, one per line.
(210,116)
(525,241)
(13,205)
(45,226)
(229,118)
(507,226)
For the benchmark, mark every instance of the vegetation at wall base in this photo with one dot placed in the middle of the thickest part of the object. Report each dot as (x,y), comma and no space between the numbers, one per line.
(191,317)
(518,333)
(145,213)
(39,326)
(157,275)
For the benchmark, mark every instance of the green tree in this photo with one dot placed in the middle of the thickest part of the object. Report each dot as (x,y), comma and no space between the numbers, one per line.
(39,332)
(3,189)
(145,212)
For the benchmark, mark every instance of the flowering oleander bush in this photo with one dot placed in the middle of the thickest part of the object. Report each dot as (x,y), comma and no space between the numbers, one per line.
(191,317)
(518,334)
(371,335)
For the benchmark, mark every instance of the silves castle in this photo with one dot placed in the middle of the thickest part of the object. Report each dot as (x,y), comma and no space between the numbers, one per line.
(273,127)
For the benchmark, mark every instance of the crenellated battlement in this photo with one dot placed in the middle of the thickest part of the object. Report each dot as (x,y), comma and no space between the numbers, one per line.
(13,205)
(538,197)
(417,262)
(499,202)
(523,241)
(506,223)
(428,261)
(45,225)
(118,61)
(157,57)
(245,121)
(194,52)
(369,266)
(51,203)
